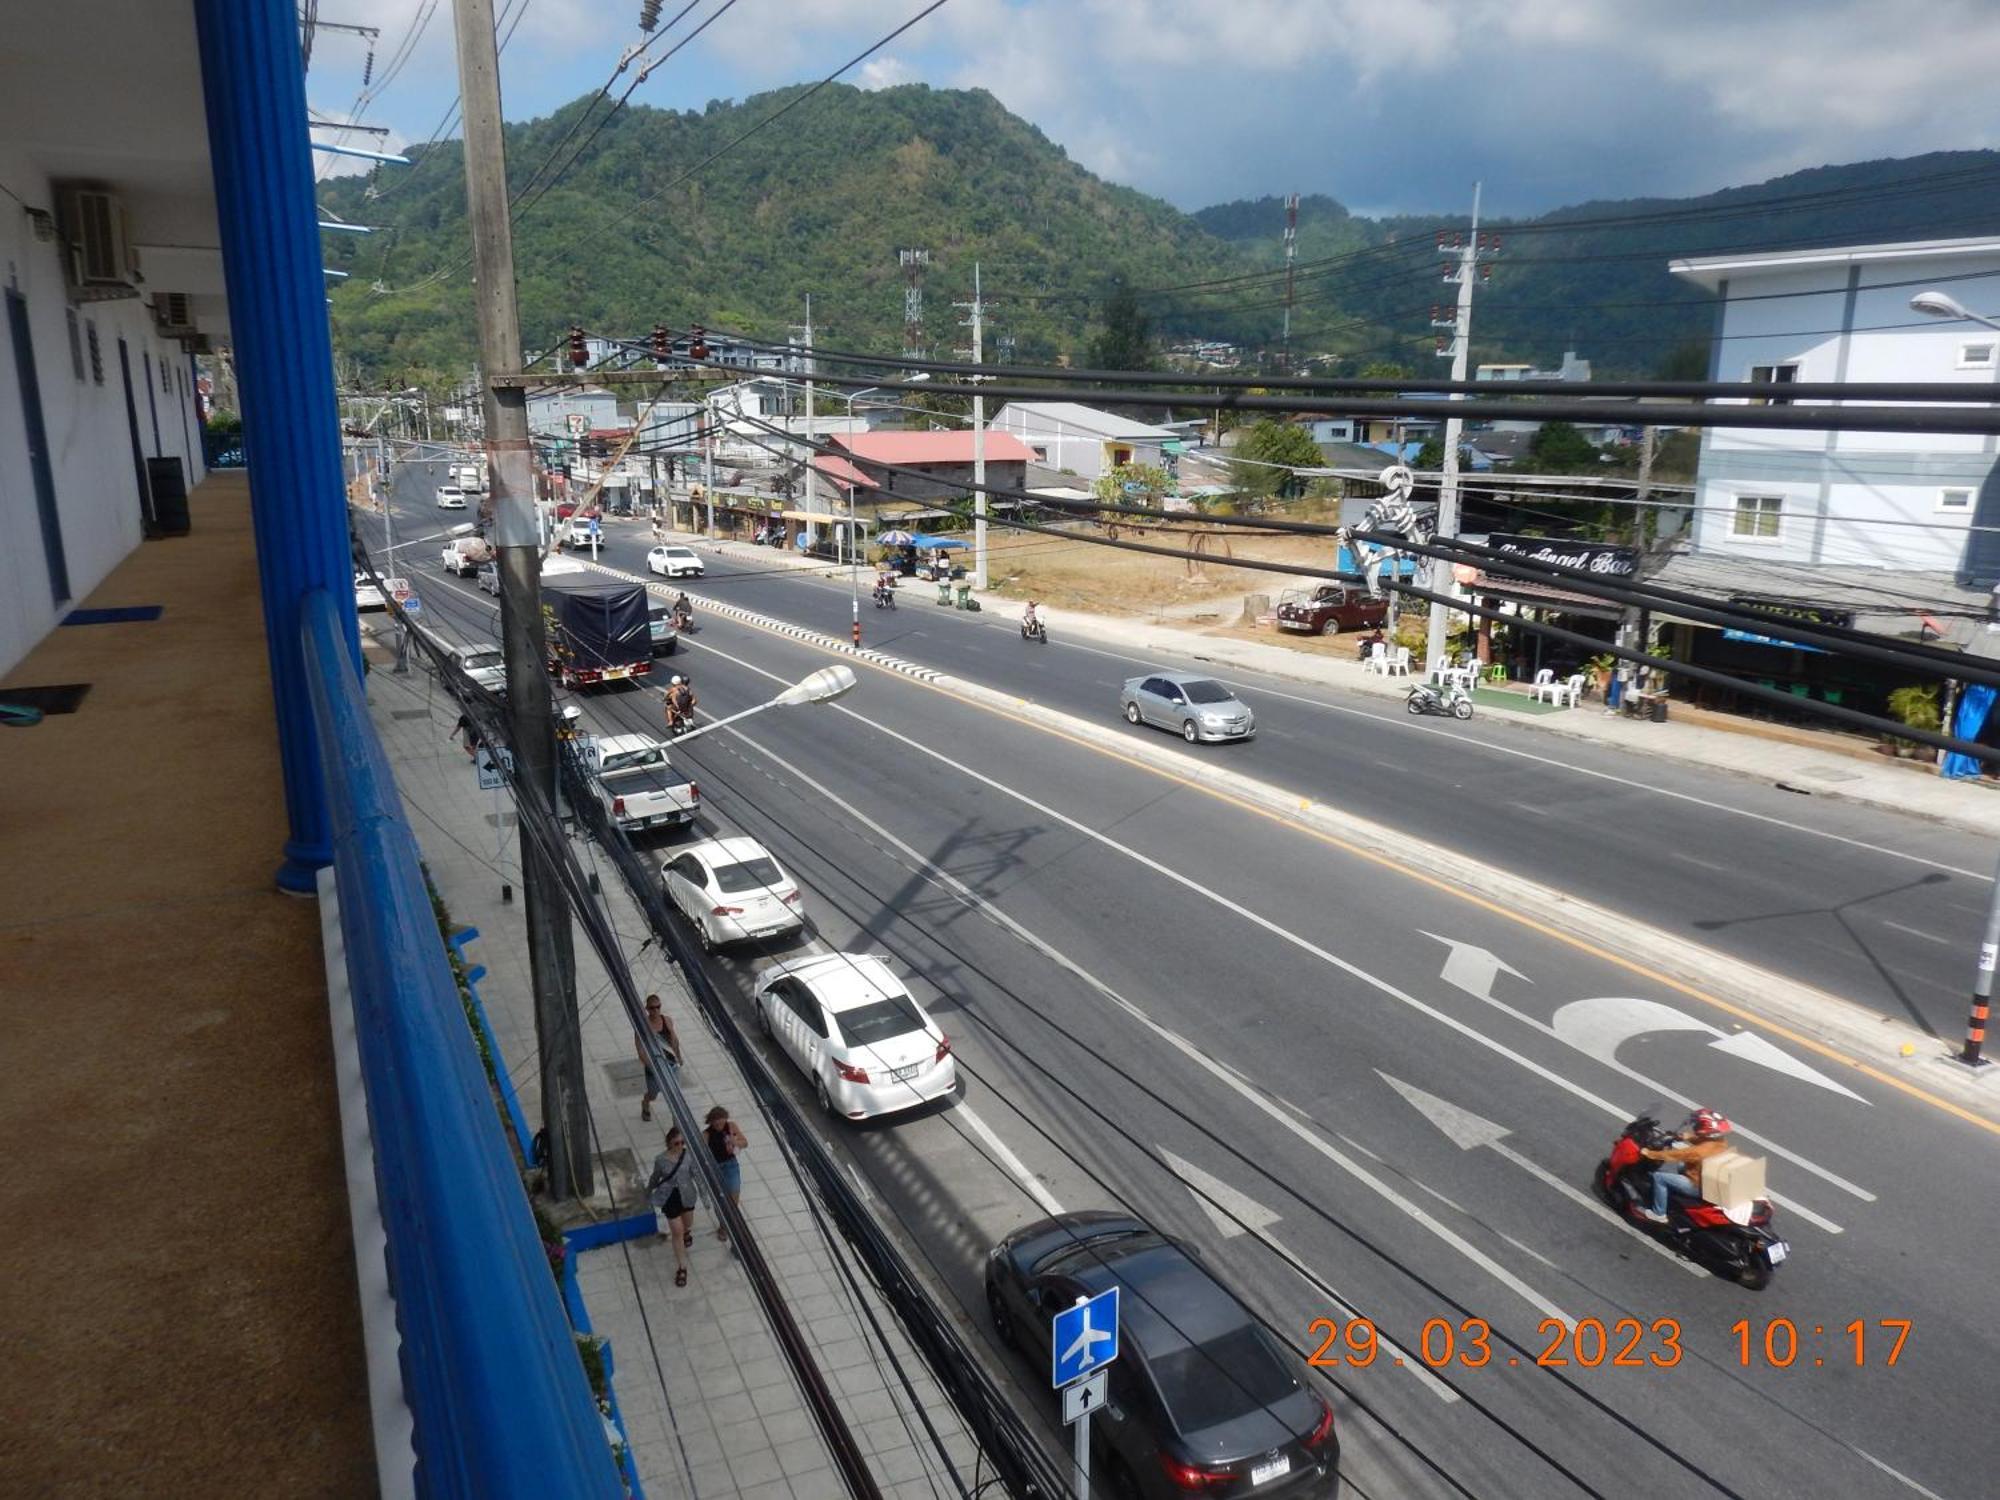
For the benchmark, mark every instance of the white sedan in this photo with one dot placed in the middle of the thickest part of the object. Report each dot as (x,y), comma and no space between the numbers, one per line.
(732,891)
(856,1032)
(450,497)
(674,562)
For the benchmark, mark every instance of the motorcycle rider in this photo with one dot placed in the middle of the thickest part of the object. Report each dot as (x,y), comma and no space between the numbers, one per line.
(1031,621)
(1705,1134)
(683,612)
(885,581)
(680,704)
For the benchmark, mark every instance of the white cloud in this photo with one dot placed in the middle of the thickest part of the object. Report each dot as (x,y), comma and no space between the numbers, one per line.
(883,71)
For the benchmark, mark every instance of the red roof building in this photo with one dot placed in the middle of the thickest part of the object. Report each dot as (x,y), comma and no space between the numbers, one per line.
(893,470)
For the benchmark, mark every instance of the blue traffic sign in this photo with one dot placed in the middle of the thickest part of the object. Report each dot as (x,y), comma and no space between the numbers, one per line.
(1084,1338)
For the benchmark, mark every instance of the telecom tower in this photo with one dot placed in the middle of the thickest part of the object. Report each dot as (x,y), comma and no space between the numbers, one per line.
(913,263)
(1291,253)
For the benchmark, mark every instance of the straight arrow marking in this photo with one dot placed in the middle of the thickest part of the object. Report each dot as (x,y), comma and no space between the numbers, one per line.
(1468,1131)
(1233,1212)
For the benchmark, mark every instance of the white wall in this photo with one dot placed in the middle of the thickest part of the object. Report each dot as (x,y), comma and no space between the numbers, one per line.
(90,454)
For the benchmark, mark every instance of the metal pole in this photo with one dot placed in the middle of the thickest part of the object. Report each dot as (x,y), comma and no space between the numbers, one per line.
(1982,985)
(708,460)
(551,958)
(1080,1457)
(1454,431)
(978,443)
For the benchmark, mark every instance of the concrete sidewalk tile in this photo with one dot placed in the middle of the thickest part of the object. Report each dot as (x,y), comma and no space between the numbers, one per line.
(884,1434)
(845,1354)
(703,1447)
(857,1380)
(729,1410)
(776,1489)
(869,1406)
(713,1482)
(763,1374)
(803,1456)
(822,1484)
(758,1465)
(784,1427)
(904,1463)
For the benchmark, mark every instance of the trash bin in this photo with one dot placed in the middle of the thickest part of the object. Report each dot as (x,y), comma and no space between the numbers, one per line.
(1659,711)
(166,483)
(944,589)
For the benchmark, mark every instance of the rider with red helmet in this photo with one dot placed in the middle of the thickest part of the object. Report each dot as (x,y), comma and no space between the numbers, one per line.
(1705,1134)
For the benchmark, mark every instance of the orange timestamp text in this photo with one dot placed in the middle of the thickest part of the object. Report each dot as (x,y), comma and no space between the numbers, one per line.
(1467,1343)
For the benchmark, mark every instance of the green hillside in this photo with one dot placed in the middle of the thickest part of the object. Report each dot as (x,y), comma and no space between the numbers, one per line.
(822,201)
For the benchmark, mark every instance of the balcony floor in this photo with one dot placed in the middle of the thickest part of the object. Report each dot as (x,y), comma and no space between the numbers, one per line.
(181,1313)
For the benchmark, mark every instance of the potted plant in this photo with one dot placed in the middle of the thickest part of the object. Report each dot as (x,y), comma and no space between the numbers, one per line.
(1600,668)
(1916,706)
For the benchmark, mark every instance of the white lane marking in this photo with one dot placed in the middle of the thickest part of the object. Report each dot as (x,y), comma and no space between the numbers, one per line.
(1706,864)
(1009,1160)
(1600,1025)
(1899,1478)
(1929,937)
(1187,1049)
(1305,945)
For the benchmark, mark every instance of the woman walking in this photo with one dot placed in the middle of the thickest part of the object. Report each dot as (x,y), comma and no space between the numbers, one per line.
(672,1192)
(725,1140)
(662,1027)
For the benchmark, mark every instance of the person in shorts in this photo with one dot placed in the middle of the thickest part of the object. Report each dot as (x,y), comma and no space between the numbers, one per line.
(725,1141)
(662,1026)
(672,1192)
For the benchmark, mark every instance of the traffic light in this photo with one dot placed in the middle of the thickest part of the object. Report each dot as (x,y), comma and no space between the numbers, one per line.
(579,356)
(662,341)
(698,343)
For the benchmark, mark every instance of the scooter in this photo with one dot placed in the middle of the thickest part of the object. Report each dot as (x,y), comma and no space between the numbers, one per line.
(1425,698)
(885,596)
(683,621)
(1038,631)
(1739,1244)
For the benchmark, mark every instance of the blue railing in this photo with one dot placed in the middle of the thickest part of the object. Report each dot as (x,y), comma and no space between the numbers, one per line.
(497,1395)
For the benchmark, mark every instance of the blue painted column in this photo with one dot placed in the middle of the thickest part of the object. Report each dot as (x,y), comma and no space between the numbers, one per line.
(254,89)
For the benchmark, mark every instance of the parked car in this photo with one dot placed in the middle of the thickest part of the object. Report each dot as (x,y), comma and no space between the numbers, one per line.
(637,784)
(675,562)
(851,1027)
(1329,608)
(489,578)
(1196,708)
(450,497)
(366,594)
(485,665)
(732,891)
(1201,1398)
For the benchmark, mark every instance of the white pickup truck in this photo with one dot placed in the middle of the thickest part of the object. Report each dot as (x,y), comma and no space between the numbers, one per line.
(637,785)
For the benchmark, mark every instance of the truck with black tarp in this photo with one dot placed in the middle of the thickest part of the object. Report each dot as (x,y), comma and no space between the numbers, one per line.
(597,628)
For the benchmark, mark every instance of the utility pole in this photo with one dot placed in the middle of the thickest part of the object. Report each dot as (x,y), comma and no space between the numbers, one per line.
(1291,252)
(531,724)
(978,324)
(1466,251)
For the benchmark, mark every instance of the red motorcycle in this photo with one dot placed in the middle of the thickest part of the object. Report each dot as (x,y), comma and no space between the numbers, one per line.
(1738,1244)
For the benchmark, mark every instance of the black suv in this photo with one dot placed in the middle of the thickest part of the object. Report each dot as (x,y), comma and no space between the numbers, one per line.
(1202,1400)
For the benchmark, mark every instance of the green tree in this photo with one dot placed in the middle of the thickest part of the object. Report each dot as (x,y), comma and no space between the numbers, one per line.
(1270,442)
(1558,448)
(1383,370)
(1685,361)
(1124,343)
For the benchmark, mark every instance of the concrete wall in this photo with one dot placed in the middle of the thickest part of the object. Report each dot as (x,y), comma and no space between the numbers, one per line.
(90,453)
(1866,498)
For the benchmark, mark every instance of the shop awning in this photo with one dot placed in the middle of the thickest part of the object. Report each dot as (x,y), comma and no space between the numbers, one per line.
(1543,596)
(818,517)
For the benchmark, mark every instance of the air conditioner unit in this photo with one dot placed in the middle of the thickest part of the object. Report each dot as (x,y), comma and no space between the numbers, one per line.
(173,314)
(97,239)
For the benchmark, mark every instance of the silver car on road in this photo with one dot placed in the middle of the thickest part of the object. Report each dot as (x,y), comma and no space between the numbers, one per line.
(1196,708)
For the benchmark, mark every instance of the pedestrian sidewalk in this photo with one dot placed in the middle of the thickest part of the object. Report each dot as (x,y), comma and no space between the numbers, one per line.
(1818,762)
(709,1406)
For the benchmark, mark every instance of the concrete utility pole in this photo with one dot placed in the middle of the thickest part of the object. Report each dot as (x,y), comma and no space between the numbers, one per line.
(1291,253)
(977,322)
(812,472)
(1442,581)
(531,726)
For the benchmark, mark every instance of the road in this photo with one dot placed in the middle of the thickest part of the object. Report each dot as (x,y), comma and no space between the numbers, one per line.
(1273,1048)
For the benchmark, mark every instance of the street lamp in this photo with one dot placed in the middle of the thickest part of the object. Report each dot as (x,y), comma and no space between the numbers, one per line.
(821,686)
(1944,305)
(463,528)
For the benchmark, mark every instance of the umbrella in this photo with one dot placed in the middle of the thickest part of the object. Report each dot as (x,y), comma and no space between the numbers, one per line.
(894,539)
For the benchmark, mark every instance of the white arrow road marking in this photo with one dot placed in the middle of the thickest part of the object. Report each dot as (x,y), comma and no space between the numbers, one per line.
(1472,968)
(1597,1026)
(1660,1090)
(1248,1093)
(1468,1132)
(1233,1211)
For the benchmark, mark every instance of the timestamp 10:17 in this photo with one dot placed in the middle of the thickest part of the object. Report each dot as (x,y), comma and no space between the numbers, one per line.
(1777,1342)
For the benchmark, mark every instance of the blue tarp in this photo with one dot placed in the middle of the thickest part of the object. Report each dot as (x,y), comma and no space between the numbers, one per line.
(924,542)
(1974,704)
(1770,640)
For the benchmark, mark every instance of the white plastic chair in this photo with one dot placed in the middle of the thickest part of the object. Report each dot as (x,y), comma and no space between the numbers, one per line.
(1459,676)
(1546,689)
(1572,689)
(1395,663)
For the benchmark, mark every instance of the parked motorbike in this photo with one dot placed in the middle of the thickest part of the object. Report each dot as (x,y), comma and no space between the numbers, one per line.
(1427,698)
(1739,1245)
(1036,631)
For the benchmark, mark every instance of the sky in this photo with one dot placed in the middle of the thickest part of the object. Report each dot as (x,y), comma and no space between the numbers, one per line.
(1393,107)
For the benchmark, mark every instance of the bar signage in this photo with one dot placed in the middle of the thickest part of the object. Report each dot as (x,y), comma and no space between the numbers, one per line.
(1560,552)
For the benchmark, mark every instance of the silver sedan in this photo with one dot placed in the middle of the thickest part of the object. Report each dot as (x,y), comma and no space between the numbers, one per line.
(1196,708)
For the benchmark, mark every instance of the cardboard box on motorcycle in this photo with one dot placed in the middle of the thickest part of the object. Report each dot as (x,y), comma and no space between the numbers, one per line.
(1730,1179)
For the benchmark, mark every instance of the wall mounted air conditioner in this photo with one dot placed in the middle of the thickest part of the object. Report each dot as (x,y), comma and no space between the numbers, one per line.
(173,314)
(97,242)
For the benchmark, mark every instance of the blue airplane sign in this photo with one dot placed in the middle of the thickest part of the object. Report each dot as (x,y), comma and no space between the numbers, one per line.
(1084,1338)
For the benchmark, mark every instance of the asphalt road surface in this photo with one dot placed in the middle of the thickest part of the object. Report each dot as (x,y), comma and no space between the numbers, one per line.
(1356,1095)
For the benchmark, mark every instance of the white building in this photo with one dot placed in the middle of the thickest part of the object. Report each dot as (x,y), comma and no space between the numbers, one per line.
(1858,499)
(746,413)
(1081,439)
(549,411)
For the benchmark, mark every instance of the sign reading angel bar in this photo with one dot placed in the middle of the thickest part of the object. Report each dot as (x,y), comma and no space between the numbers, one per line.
(1591,557)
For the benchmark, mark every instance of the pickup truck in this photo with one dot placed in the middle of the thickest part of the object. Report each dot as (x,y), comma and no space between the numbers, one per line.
(464,554)
(636,784)
(1329,608)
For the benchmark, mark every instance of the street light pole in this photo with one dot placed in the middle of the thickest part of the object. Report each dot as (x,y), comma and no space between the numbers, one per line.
(551,957)
(1454,429)
(1943,305)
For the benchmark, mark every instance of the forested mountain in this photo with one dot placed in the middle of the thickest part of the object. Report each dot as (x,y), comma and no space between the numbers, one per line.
(822,201)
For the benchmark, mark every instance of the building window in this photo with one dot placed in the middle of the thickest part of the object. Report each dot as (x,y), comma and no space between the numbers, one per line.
(1773,375)
(1975,355)
(1756,518)
(1954,500)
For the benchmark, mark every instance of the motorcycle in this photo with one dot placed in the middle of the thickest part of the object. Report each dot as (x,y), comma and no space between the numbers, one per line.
(1038,630)
(885,596)
(679,723)
(1427,698)
(683,620)
(1739,1244)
